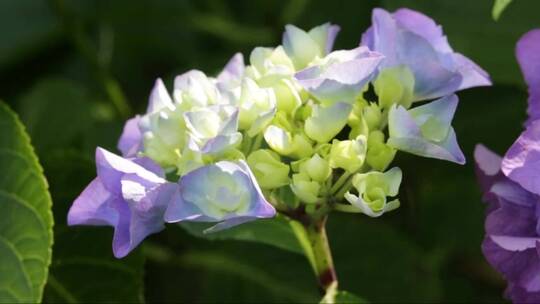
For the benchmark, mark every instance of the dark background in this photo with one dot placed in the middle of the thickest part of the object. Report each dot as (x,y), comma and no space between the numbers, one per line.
(63,64)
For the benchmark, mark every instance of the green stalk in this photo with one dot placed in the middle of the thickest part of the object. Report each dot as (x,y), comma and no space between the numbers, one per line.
(313,239)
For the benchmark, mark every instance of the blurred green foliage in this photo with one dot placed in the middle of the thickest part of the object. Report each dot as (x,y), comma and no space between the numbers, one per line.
(67,67)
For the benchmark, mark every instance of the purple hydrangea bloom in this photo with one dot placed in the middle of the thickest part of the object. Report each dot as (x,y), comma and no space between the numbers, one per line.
(512,241)
(528,56)
(522,161)
(130,195)
(224,192)
(409,38)
(511,187)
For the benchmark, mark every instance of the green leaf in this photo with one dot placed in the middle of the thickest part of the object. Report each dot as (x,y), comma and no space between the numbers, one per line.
(67,126)
(235,272)
(57,113)
(26,220)
(498,7)
(277,232)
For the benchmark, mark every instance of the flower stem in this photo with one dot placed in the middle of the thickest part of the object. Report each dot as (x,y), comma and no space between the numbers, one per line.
(312,237)
(341,180)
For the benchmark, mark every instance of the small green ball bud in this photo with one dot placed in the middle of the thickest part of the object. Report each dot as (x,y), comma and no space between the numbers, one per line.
(268,169)
(348,154)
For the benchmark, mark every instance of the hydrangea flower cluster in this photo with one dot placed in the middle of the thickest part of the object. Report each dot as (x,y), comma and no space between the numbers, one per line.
(300,127)
(511,188)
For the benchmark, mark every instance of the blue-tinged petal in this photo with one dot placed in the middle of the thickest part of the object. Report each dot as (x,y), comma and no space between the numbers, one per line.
(425,130)
(433,78)
(473,75)
(299,46)
(159,98)
(224,192)
(146,204)
(424,26)
(435,117)
(128,194)
(130,142)
(111,168)
(325,35)
(341,76)
(213,130)
(409,38)
(94,206)
(233,71)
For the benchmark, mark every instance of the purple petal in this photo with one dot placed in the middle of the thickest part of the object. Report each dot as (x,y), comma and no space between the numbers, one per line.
(472,74)
(528,56)
(424,26)
(229,224)
(410,38)
(130,142)
(341,81)
(522,218)
(94,206)
(488,166)
(142,217)
(198,181)
(519,294)
(513,193)
(333,30)
(521,267)
(111,168)
(433,78)
(522,161)
(513,243)
(233,70)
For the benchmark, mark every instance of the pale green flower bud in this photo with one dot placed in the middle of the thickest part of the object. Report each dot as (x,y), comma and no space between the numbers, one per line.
(156,149)
(317,168)
(372,116)
(268,169)
(257,107)
(270,62)
(302,146)
(163,128)
(348,154)
(326,122)
(189,161)
(357,121)
(373,189)
(379,154)
(287,96)
(193,89)
(395,86)
(303,47)
(306,189)
(281,141)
